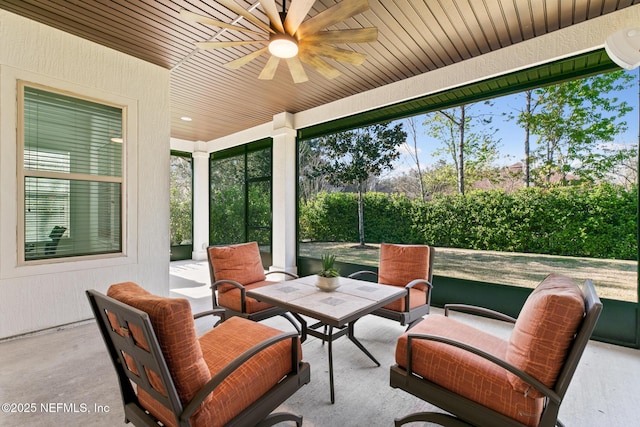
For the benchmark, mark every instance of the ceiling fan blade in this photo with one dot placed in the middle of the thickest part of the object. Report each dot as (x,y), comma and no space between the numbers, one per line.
(220,45)
(338,13)
(360,35)
(194,17)
(320,65)
(296,14)
(236,8)
(270,8)
(270,68)
(335,53)
(237,63)
(296,70)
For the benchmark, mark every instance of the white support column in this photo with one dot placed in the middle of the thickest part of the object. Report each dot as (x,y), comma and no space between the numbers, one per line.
(200,201)
(284,193)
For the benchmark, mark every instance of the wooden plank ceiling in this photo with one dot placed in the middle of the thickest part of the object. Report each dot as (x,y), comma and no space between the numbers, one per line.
(415,36)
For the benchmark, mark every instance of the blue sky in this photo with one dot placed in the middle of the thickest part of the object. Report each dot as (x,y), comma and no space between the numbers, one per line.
(511,135)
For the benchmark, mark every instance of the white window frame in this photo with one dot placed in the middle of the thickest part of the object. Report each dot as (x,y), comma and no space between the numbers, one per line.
(23,173)
(12,264)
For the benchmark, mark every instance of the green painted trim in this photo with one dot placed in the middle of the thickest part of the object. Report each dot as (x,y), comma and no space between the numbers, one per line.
(181,153)
(181,252)
(178,253)
(584,65)
(243,151)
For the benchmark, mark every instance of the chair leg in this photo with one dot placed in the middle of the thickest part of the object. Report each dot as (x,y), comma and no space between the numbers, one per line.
(223,317)
(279,417)
(432,417)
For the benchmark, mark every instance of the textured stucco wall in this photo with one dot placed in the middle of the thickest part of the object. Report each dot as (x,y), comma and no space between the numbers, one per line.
(44,296)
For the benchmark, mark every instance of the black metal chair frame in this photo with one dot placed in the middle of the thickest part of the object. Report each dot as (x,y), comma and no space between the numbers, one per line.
(409,317)
(257,316)
(465,412)
(258,414)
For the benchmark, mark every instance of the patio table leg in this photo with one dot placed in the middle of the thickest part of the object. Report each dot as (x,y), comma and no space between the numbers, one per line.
(359,344)
(330,344)
(303,326)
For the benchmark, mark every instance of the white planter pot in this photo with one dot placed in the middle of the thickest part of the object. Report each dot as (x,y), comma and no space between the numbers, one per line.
(328,284)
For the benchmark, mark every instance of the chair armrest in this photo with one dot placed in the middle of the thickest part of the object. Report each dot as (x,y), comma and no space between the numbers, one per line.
(359,273)
(214,312)
(292,275)
(227,282)
(415,282)
(214,382)
(411,284)
(243,291)
(478,310)
(535,383)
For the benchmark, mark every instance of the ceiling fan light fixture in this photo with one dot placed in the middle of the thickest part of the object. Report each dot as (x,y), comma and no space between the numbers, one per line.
(623,47)
(283,46)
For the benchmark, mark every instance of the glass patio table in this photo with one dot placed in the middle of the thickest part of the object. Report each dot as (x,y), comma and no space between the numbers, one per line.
(338,309)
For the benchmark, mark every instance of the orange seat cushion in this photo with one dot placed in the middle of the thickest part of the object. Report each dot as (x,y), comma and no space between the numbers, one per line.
(244,386)
(240,263)
(417,298)
(465,373)
(254,378)
(544,331)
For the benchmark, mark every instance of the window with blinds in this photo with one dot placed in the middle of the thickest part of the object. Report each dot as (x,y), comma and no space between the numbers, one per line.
(71,164)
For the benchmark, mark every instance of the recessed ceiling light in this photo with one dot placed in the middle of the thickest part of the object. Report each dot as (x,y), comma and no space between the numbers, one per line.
(186,119)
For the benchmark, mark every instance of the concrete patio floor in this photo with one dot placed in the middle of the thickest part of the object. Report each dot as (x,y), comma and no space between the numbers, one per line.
(67,376)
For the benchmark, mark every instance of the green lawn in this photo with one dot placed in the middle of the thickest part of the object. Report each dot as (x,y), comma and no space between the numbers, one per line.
(614,279)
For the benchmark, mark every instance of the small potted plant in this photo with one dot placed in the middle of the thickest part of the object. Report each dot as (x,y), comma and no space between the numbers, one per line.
(328,277)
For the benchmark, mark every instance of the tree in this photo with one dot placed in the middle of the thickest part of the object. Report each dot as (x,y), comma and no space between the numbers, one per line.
(575,122)
(530,107)
(627,175)
(352,157)
(310,159)
(440,178)
(180,201)
(413,153)
(467,139)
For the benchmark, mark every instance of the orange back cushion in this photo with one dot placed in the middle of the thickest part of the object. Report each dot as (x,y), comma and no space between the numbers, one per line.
(241,263)
(174,327)
(544,331)
(400,264)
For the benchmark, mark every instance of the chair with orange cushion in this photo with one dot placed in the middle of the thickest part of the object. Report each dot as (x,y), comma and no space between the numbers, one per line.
(234,270)
(234,375)
(483,380)
(411,267)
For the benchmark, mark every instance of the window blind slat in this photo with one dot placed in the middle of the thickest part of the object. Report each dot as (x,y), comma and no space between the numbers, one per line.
(58,125)
(68,216)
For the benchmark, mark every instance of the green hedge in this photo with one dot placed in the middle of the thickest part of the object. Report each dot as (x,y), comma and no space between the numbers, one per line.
(596,222)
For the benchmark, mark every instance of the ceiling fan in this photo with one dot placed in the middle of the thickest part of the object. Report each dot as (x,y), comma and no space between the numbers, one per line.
(292,38)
